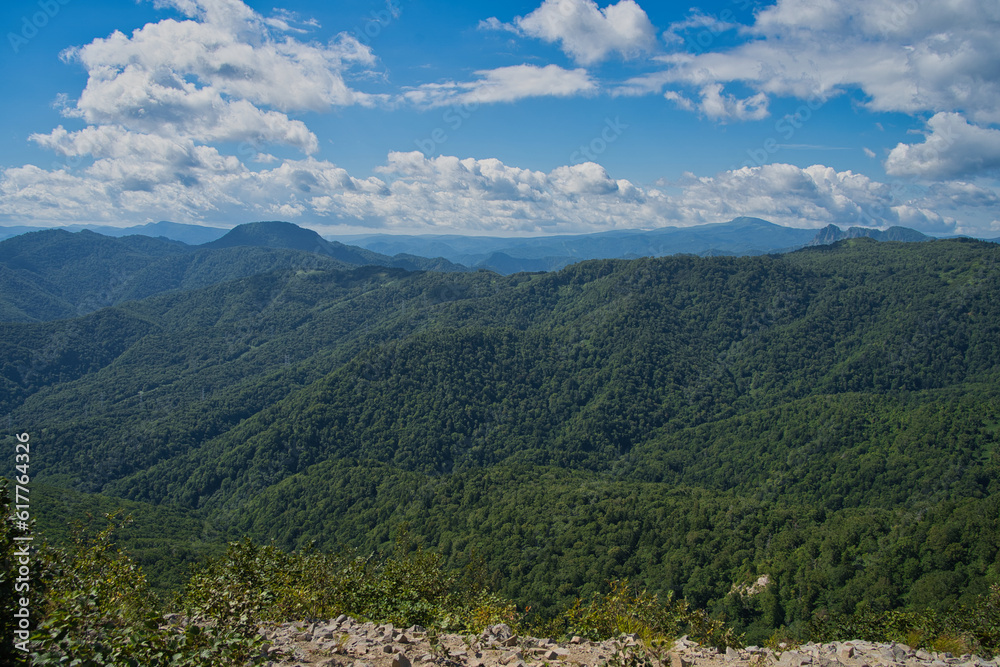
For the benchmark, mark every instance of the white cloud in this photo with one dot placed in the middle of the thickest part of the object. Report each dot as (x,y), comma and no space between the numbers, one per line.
(958,194)
(718,106)
(155,100)
(952,148)
(908,56)
(588,178)
(709,28)
(585,32)
(790,195)
(505,84)
(212,77)
(450,194)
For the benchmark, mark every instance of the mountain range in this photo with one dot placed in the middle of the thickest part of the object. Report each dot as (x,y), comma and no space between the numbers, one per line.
(54,273)
(827,417)
(741,236)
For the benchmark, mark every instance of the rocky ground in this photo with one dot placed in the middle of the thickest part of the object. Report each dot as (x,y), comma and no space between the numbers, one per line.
(343,642)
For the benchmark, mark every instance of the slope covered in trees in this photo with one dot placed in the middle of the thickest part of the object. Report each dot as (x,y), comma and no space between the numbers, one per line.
(55,274)
(827,418)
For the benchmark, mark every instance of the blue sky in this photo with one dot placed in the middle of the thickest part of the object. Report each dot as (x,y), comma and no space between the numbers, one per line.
(505,118)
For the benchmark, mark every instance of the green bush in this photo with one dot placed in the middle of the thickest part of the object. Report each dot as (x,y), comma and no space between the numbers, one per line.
(961,629)
(252,584)
(98,611)
(627,610)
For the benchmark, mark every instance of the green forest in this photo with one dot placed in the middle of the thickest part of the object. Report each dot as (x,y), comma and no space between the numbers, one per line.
(826,419)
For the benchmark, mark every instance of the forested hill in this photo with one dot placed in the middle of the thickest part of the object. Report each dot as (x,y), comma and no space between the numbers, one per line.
(827,417)
(55,274)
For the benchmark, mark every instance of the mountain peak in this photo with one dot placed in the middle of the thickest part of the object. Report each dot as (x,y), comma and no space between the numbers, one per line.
(833,233)
(272,234)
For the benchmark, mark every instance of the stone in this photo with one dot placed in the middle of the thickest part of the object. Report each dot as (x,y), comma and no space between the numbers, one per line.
(400,660)
(731,654)
(388,648)
(793,659)
(845,652)
(676,660)
(508,658)
(576,640)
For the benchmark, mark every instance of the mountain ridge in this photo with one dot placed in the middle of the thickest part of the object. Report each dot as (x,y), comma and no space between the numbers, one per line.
(53,273)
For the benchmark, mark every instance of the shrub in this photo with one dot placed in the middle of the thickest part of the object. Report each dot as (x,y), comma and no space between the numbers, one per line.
(98,611)
(627,610)
(962,629)
(252,584)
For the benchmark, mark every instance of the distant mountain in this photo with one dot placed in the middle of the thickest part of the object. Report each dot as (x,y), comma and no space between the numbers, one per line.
(8,232)
(833,233)
(56,274)
(741,236)
(190,234)
(277,234)
(175,231)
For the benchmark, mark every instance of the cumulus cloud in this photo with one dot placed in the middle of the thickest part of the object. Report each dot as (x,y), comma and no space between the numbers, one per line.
(154,102)
(952,149)
(451,194)
(908,56)
(585,32)
(583,179)
(719,106)
(224,74)
(814,196)
(505,84)
(959,194)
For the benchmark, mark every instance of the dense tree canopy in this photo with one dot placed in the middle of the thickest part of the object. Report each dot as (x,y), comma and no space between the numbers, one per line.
(827,418)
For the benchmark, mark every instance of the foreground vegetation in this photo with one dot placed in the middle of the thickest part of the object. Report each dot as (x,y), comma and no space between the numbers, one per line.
(93,606)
